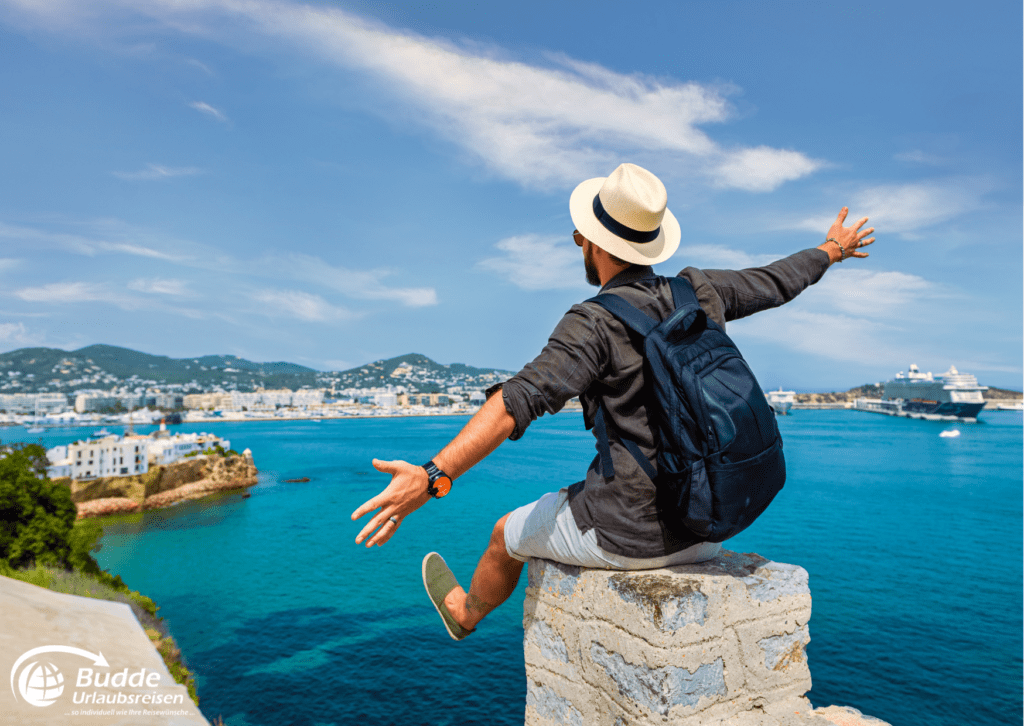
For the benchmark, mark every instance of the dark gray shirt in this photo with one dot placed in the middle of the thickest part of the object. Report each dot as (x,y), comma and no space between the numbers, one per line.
(590,355)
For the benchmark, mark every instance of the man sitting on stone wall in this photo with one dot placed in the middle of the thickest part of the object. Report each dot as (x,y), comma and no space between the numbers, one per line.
(623,226)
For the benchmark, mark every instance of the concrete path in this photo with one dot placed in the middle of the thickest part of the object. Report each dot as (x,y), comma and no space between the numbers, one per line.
(73,660)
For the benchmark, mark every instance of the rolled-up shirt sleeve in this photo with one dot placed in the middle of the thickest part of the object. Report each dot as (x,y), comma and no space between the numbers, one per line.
(572,359)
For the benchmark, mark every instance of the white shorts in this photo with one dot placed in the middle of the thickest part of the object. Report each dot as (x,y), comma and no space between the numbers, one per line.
(547,529)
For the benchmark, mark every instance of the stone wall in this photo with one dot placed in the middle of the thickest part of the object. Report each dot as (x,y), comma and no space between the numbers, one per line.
(722,642)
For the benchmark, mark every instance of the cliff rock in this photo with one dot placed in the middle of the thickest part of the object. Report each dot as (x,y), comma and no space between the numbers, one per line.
(163,485)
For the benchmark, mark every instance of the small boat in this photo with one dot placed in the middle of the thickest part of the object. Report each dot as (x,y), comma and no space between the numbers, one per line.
(35,430)
(102,432)
(950,433)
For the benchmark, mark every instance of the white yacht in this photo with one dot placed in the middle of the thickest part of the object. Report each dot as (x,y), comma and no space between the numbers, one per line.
(780,401)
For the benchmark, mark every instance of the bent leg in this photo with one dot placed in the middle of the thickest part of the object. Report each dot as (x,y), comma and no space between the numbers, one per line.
(494,580)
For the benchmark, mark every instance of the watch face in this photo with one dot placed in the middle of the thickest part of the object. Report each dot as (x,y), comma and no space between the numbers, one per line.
(443,485)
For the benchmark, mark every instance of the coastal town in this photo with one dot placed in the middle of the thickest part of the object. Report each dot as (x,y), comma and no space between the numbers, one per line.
(44,388)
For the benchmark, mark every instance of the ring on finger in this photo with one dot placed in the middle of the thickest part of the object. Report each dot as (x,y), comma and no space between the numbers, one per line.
(394,520)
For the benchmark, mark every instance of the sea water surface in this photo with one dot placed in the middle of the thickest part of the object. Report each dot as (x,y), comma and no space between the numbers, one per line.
(912,542)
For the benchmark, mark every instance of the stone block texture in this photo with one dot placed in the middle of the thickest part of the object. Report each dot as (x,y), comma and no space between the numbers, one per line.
(721,642)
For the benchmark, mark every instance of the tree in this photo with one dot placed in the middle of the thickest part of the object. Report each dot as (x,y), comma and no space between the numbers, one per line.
(37,517)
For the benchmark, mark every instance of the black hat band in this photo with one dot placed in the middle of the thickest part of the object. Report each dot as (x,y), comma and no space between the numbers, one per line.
(619,229)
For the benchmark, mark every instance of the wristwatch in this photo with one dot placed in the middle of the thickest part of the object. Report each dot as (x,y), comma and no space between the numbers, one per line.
(439,482)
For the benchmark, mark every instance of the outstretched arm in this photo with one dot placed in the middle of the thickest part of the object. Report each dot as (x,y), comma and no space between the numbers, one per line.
(407,491)
(745,292)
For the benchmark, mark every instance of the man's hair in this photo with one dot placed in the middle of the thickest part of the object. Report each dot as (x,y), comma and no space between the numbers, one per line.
(617,260)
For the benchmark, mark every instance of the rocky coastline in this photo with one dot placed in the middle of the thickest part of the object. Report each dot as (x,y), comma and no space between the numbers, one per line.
(163,485)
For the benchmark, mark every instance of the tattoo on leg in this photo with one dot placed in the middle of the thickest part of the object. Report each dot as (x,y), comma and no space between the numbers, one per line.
(476,604)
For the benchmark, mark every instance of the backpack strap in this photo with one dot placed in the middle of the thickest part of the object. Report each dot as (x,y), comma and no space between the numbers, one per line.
(624,311)
(682,292)
(643,324)
(604,448)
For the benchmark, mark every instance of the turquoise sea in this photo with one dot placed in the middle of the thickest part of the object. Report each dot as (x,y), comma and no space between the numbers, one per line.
(912,541)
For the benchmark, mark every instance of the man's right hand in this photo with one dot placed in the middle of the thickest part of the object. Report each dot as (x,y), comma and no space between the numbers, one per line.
(406,493)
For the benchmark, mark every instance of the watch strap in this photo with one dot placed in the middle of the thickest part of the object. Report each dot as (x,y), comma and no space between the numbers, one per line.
(433,474)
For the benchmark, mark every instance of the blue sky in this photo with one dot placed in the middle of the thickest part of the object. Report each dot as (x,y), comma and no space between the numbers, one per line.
(334,183)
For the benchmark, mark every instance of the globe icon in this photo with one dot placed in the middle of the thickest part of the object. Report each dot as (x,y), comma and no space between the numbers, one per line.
(41,683)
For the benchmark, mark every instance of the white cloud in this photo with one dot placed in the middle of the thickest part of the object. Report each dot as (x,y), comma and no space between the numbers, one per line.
(160,286)
(718,256)
(71,292)
(209,110)
(538,262)
(358,284)
(906,208)
(155,171)
(763,168)
(80,244)
(75,293)
(196,63)
(544,124)
(301,305)
(18,334)
(856,316)
(838,337)
(875,294)
(919,157)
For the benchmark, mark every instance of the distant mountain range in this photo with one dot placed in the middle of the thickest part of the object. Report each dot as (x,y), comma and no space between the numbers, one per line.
(30,370)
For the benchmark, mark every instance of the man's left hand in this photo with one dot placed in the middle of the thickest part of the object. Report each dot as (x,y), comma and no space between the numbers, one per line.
(406,493)
(850,239)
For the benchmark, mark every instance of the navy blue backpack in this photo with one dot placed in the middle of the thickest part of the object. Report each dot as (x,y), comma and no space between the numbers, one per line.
(719,462)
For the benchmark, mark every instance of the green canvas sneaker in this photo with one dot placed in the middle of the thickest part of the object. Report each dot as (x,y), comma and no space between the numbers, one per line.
(439,581)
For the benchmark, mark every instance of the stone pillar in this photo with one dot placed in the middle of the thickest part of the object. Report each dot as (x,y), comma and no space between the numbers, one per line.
(721,642)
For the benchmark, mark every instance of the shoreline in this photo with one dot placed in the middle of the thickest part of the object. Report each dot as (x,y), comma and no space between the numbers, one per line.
(990,405)
(161,487)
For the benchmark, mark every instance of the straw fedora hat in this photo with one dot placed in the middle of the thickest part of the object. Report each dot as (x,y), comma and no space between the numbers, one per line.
(626,214)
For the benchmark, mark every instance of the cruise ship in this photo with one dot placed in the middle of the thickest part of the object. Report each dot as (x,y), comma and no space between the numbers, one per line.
(780,401)
(951,396)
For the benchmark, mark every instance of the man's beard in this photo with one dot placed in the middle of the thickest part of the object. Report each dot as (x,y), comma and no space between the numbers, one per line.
(593,278)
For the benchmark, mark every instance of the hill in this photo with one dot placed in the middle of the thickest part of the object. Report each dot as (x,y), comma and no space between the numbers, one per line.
(30,370)
(103,366)
(418,373)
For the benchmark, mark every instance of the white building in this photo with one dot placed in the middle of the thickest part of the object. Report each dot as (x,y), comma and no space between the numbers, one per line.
(37,404)
(168,449)
(109,456)
(60,463)
(127,456)
(477,397)
(209,401)
(307,397)
(104,400)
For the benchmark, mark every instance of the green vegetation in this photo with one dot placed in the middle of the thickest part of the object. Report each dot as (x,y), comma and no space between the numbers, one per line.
(41,543)
(215,450)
